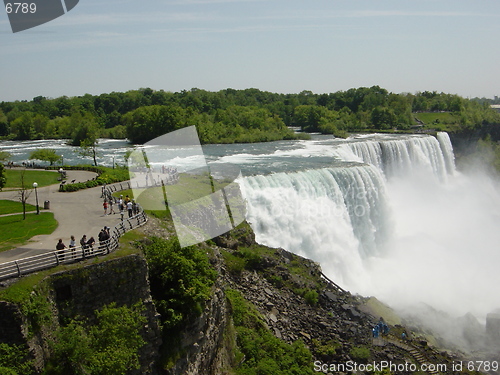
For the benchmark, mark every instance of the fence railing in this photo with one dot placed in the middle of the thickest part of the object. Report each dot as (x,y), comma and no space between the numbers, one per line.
(24,266)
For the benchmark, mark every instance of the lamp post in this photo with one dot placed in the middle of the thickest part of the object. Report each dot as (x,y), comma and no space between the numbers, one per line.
(35,185)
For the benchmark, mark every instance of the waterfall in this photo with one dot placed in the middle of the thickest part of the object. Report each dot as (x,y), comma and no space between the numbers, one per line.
(340,216)
(337,216)
(447,148)
(405,155)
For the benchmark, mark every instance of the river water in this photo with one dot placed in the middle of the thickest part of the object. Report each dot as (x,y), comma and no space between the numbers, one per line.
(385,215)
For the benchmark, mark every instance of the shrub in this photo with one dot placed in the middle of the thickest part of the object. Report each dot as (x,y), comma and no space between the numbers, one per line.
(360,352)
(327,349)
(106,176)
(109,348)
(13,360)
(181,279)
(311,297)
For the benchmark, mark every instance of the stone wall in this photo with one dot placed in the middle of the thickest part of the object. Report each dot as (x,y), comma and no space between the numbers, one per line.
(11,324)
(78,293)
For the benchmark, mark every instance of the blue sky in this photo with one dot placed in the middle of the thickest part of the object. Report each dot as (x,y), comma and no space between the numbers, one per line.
(275,45)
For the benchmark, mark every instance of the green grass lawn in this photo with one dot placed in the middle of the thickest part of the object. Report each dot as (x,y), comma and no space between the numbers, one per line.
(445,121)
(16,231)
(42,178)
(11,207)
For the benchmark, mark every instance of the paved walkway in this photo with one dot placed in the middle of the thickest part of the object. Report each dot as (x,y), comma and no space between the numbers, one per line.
(77,213)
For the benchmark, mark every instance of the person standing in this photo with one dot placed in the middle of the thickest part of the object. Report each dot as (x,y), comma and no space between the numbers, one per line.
(130,208)
(72,245)
(120,203)
(90,244)
(60,247)
(83,244)
(105,206)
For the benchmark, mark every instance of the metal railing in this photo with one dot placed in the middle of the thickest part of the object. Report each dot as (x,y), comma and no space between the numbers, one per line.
(24,266)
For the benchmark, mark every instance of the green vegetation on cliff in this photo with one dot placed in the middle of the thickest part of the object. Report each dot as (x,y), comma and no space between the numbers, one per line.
(263,352)
(108,347)
(181,279)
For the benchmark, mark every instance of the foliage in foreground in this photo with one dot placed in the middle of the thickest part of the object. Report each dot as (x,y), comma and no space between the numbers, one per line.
(264,353)
(13,360)
(3,179)
(181,279)
(110,347)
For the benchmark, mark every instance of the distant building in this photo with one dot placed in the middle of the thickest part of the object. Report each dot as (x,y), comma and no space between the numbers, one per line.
(496,107)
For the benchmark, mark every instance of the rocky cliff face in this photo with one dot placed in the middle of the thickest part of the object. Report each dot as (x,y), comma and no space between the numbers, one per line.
(289,292)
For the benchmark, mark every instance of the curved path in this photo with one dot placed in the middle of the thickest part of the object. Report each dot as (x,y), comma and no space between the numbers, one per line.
(77,213)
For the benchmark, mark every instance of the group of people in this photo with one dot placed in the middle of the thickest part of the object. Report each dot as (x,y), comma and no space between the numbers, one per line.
(86,244)
(381,328)
(126,203)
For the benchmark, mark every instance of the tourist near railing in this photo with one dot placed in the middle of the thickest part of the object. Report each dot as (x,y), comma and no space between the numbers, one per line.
(24,266)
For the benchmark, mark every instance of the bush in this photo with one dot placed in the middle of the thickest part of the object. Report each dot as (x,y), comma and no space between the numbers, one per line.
(106,176)
(109,348)
(360,352)
(13,360)
(311,297)
(325,350)
(181,279)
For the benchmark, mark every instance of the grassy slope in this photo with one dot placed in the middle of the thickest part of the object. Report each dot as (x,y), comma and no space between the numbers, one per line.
(42,178)
(444,121)
(11,207)
(16,231)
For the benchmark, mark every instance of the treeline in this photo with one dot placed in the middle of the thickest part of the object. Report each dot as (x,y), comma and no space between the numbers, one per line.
(228,115)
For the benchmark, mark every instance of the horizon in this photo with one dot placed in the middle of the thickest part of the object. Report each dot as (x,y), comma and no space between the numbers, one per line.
(495,97)
(275,46)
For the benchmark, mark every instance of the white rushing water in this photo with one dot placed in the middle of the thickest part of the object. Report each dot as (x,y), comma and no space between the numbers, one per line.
(404,226)
(385,215)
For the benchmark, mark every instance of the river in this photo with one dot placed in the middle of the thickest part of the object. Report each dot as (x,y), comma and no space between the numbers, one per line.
(385,215)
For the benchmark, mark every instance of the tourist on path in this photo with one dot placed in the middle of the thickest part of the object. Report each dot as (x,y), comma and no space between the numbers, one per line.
(60,247)
(130,208)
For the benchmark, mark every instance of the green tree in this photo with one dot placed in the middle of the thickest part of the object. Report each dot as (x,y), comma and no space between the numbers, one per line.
(13,360)
(3,179)
(109,347)
(4,156)
(88,148)
(45,154)
(146,123)
(383,118)
(85,129)
(23,193)
(85,135)
(4,125)
(181,279)
(23,126)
